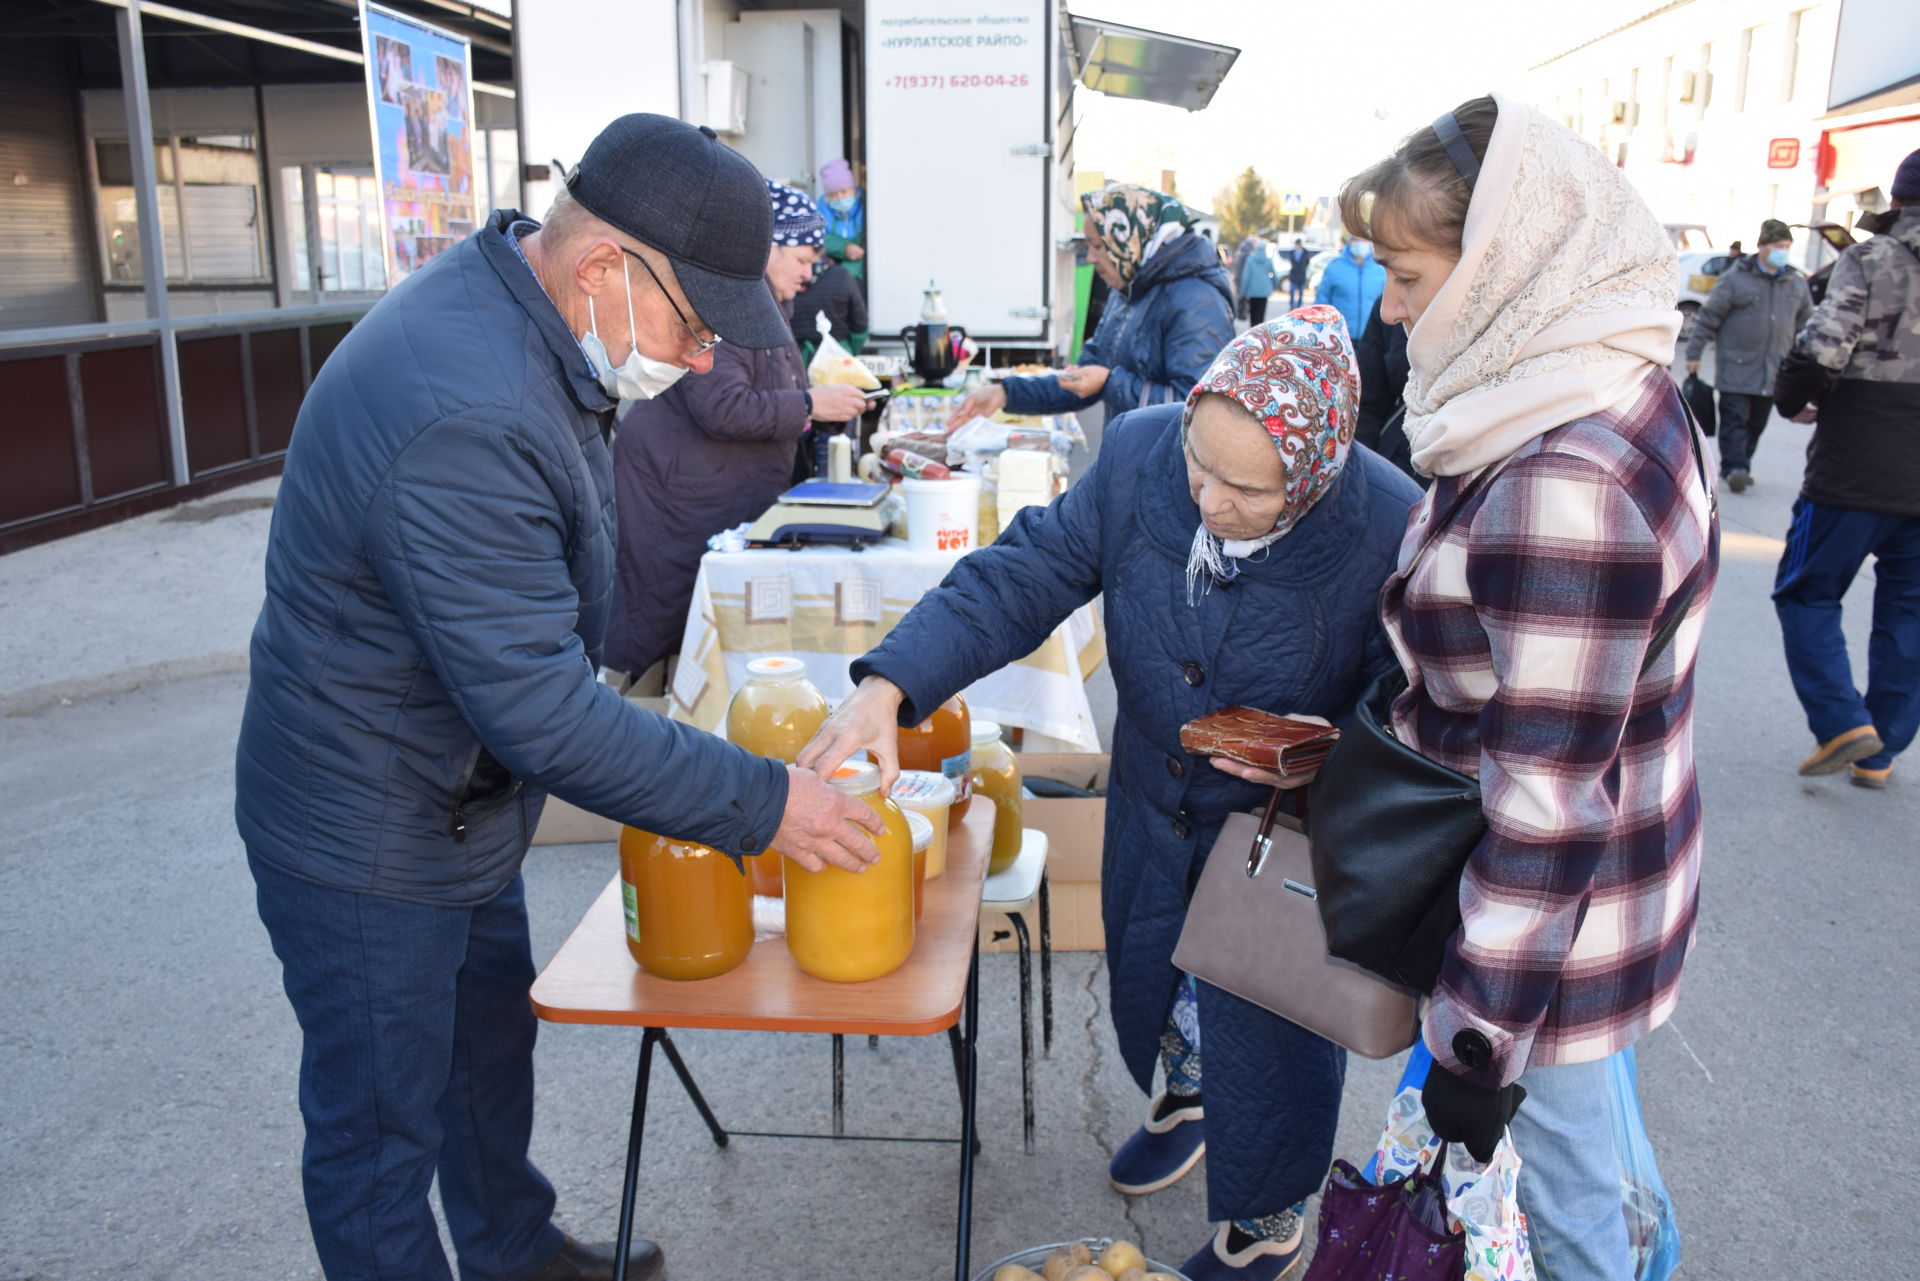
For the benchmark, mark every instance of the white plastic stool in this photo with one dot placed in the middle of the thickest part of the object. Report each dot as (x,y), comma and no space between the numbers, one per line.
(1013,893)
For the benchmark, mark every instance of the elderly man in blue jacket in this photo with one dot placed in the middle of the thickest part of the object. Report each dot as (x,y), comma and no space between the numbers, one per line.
(423,674)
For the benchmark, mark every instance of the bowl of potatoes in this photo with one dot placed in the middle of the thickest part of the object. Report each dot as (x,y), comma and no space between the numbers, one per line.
(1088,1259)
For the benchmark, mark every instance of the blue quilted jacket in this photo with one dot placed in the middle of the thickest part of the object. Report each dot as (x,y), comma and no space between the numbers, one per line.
(1156,340)
(1297,631)
(438,574)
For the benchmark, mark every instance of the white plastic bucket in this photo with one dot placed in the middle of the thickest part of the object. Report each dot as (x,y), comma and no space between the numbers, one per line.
(941,514)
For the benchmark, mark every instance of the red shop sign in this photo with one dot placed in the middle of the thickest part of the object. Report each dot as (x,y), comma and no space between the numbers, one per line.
(1783,153)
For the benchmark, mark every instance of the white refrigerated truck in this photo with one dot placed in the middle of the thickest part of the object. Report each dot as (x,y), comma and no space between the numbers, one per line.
(961,116)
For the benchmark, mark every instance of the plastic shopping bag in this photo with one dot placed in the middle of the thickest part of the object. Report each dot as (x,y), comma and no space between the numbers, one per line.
(1651,1231)
(1483,1201)
(833,364)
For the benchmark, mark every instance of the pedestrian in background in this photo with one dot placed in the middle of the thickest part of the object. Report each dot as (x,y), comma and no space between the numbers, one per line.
(1257,280)
(1168,315)
(1352,282)
(423,674)
(1856,366)
(845,208)
(713,453)
(1755,309)
(1569,523)
(1299,258)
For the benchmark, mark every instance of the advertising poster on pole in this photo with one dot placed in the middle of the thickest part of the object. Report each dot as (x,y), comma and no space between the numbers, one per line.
(419,92)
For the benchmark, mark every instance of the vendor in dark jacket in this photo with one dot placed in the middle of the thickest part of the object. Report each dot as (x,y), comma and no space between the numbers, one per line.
(1856,370)
(423,675)
(835,294)
(713,453)
(1170,311)
(1240,543)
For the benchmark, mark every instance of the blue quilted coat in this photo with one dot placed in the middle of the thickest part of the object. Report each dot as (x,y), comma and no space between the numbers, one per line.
(1297,631)
(438,582)
(1155,340)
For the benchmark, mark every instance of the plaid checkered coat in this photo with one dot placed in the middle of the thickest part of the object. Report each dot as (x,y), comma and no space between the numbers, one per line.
(1523,627)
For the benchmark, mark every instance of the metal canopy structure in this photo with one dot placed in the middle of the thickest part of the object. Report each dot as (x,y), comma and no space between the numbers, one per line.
(1132,62)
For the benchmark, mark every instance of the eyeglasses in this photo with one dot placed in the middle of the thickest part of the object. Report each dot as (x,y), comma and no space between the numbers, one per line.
(701,346)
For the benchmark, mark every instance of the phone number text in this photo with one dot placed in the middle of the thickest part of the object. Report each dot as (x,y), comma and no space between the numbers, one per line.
(957,82)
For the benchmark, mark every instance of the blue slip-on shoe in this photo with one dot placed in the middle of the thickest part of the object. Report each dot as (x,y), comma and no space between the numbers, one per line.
(1257,1261)
(1161,1151)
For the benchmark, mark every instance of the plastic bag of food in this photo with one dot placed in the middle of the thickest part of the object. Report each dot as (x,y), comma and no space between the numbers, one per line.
(832,364)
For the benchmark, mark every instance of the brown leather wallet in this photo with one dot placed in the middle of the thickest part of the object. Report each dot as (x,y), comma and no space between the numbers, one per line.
(1260,739)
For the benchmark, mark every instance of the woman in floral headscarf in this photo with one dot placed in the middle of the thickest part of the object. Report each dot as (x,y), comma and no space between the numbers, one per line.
(1170,310)
(712,452)
(1239,541)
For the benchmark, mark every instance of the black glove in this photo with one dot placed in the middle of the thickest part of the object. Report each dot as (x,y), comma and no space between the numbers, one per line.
(1462,1112)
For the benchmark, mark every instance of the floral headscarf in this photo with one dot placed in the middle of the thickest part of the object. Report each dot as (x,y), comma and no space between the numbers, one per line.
(1132,223)
(795,220)
(1297,377)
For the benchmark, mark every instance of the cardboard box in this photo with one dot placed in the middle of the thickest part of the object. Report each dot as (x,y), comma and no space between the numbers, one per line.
(564,824)
(1075,828)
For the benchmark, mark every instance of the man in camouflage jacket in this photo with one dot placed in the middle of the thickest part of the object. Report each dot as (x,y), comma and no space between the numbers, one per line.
(1855,369)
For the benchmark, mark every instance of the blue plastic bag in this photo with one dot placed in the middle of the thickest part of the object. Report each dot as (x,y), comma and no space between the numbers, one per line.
(1651,1232)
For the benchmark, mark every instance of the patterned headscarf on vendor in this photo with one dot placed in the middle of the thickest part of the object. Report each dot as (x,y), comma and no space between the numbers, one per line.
(1294,378)
(1131,224)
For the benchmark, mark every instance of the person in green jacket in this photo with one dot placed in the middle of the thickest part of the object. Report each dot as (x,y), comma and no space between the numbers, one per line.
(845,207)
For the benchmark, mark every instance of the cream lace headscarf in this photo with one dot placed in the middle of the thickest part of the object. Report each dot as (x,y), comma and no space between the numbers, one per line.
(1561,303)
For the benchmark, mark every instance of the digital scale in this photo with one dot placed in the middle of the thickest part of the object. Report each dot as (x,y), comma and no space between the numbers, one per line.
(820,511)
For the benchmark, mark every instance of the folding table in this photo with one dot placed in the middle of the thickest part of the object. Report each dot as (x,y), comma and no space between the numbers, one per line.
(593,979)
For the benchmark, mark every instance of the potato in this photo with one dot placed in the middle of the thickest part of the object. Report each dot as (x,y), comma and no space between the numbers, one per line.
(1120,1256)
(1066,1259)
(1014,1272)
(1087,1272)
(1156,1276)
(1134,1274)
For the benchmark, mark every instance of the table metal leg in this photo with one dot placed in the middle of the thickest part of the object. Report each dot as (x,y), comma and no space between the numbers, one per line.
(1026,1028)
(1046,967)
(693,1091)
(873,1043)
(839,1084)
(636,1131)
(963,1236)
(958,1045)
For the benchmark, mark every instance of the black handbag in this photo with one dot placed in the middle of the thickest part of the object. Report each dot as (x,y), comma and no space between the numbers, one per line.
(1390,831)
(1699,398)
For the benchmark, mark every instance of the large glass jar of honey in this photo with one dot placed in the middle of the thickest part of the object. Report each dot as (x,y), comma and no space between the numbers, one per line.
(689,909)
(775,714)
(943,744)
(849,927)
(996,780)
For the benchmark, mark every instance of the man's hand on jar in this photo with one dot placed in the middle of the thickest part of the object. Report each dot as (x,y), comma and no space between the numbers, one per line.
(868,721)
(821,825)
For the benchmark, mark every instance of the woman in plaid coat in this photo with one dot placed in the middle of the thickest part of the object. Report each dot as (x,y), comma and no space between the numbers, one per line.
(1568,524)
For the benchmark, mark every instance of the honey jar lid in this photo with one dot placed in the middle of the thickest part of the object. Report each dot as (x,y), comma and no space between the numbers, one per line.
(776,669)
(923,789)
(921,827)
(985,732)
(856,778)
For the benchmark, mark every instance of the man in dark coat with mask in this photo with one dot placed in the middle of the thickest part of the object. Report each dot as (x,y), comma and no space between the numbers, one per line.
(423,674)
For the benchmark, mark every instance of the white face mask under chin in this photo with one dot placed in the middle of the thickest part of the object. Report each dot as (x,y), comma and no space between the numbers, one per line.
(638,377)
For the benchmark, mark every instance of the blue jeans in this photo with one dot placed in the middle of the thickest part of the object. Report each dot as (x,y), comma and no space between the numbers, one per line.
(1570,1175)
(417,1057)
(1825,548)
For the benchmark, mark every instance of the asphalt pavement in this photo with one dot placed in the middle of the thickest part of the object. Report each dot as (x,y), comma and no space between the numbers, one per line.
(148,1056)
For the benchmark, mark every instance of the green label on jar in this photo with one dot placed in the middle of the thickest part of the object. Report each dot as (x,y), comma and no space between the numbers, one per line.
(633,911)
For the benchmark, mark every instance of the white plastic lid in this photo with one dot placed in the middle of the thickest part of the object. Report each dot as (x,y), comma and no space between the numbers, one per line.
(922,828)
(776,670)
(923,789)
(986,732)
(856,778)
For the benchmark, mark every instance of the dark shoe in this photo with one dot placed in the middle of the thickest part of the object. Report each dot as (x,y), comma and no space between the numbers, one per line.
(1160,1152)
(579,1262)
(1218,1260)
(1876,779)
(1841,751)
(1738,479)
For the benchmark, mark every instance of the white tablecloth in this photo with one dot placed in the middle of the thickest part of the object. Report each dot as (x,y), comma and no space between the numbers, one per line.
(827,606)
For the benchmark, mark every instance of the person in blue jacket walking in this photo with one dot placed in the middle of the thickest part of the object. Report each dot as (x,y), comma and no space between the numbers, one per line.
(1353,282)
(1171,310)
(1239,543)
(1258,279)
